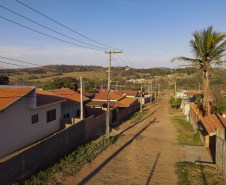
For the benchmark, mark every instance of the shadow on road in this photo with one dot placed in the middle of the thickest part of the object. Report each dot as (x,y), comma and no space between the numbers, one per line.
(138,122)
(85,180)
(153,168)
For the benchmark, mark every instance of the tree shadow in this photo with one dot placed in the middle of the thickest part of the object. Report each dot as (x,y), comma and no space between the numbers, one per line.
(86,179)
(153,168)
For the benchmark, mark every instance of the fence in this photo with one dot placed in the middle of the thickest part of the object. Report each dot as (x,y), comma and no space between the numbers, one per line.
(221,151)
(23,164)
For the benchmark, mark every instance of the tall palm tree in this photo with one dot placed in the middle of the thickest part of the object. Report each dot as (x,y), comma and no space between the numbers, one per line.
(208,48)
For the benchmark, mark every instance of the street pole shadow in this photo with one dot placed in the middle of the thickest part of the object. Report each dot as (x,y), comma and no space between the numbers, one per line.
(138,122)
(86,179)
(153,168)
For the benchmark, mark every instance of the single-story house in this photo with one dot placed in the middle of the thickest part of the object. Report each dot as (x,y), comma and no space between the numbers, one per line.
(27,115)
(70,108)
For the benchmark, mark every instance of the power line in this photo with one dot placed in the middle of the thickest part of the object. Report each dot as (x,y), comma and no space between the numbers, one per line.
(121,59)
(64,25)
(116,62)
(48,35)
(13,64)
(48,27)
(128,59)
(20,61)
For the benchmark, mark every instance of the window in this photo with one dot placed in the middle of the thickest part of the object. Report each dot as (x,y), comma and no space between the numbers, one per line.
(51,115)
(34,118)
(66,115)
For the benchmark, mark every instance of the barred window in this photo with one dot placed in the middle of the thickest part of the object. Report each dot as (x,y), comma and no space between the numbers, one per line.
(34,118)
(51,115)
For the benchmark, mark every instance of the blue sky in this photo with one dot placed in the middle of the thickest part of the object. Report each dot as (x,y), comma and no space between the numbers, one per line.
(150,32)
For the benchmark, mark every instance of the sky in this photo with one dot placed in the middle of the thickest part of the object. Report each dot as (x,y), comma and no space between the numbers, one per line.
(149,32)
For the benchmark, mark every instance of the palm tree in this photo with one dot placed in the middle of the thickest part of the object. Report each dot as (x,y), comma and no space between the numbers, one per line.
(208,48)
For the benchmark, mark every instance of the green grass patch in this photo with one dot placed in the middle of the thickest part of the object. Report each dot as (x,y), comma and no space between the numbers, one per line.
(186,133)
(136,117)
(196,174)
(70,163)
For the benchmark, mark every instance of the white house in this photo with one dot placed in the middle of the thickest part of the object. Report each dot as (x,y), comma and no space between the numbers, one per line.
(26,116)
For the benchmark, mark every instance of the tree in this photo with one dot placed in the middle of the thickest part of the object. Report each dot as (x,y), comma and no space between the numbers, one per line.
(208,48)
(4,80)
(219,102)
(58,83)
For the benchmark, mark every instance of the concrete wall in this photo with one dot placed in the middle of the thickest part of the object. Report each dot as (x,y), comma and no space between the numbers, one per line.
(16,128)
(25,162)
(221,151)
(185,107)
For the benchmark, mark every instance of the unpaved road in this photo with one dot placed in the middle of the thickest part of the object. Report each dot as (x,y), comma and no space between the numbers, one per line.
(145,153)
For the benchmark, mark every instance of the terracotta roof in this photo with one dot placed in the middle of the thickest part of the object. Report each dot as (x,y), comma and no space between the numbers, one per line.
(212,122)
(126,93)
(9,95)
(127,101)
(189,93)
(86,94)
(101,103)
(103,96)
(45,98)
(71,96)
(224,112)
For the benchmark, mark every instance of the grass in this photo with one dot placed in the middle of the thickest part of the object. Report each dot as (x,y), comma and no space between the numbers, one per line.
(186,133)
(70,163)
(135,117)
(197,174)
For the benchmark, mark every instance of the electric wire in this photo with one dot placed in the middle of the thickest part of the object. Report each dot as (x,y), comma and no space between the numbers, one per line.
(48,35)
(48,27)
(13,64)
(121,59)
(20,61)
(64,25)
(128,59)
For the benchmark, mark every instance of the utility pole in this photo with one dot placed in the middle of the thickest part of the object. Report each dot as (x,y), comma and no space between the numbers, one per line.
(199,86)
(151,90)
(108,95)
(175,89)
(159,88)
(81,103)
(141,99)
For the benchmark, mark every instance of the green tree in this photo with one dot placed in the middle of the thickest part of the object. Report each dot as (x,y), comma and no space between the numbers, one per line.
(208,48)
(59,83)
(219,103)
(4,80)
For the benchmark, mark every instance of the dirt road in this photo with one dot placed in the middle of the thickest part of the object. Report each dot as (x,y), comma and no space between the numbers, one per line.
(145,153)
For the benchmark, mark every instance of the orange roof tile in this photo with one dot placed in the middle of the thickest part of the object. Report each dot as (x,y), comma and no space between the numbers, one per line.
(127,101)
(45,98)
(126,93)
(103,96)
(71,96)
(212,122)
(9,95)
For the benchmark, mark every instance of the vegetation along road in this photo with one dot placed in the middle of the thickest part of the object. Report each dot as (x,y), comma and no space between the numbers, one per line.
(145,153)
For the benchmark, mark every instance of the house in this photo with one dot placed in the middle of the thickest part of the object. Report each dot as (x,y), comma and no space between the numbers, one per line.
(208,126)
(26,116)
(70,108)
(100,102)
(86,94)
(128,94)
(224,114)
